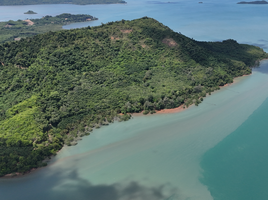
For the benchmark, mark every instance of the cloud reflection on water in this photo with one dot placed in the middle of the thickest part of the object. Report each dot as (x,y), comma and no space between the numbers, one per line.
(70,185)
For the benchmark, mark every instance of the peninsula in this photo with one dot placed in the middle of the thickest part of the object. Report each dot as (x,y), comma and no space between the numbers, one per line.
(253,2)
(79,2)
(15,30)
(58,86)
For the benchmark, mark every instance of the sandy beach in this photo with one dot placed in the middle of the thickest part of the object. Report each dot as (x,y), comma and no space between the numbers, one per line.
(172,110)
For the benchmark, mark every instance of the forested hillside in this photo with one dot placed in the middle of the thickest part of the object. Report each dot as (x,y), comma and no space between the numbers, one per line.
(81,2)
(59,85)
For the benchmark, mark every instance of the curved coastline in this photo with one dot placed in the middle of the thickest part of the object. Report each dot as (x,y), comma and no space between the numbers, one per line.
(182,107)
(179,109)
(179,139)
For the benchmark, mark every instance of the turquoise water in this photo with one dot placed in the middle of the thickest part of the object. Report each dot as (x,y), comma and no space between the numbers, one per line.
(236,168)
(213,151)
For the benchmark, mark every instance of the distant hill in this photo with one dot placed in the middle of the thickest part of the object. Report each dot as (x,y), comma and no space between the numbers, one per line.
(30,12)
(15,30)
(80,2)
(55,87)
(253,2)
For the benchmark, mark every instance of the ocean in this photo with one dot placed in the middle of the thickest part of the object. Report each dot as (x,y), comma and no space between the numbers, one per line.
(216,150)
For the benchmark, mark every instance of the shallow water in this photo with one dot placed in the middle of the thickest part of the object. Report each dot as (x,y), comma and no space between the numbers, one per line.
(159,156)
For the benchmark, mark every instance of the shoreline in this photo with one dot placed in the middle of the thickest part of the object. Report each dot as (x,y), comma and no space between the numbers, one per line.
(180,108)
(163,111)
(18,174)
(172,110)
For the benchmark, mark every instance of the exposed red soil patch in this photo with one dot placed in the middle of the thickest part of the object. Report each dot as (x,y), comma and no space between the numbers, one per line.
(8,26)
(164,111)
(172,110)
(114,38)
(126,30)
(21,67)
(30,23)
(170,42)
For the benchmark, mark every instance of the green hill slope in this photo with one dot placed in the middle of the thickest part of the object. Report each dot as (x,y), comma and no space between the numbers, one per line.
(59,85)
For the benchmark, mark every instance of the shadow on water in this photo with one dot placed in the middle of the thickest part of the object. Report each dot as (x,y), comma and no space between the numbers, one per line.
(71,186)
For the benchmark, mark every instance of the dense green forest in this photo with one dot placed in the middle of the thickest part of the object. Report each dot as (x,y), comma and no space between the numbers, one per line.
(58,86)
(15,30)
(80,2)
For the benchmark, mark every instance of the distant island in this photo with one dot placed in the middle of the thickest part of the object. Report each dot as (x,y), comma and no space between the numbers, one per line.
(15,30)
(59,86)
(253,2)
(79,2)
(30,12)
